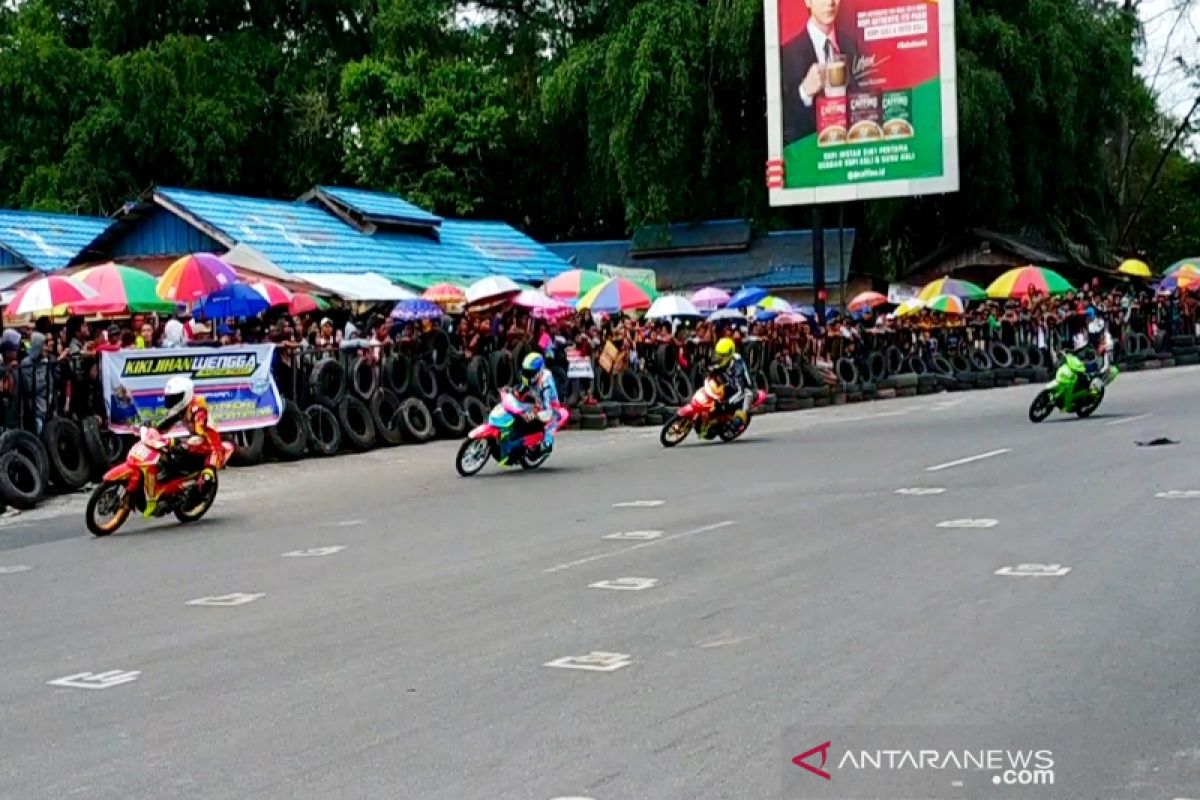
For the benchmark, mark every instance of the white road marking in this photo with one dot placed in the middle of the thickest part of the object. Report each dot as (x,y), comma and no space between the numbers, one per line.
(626,584)
(956,784)
(345,523)
(640,535)
(316,551)
(631,548)
(1127,419)
(14,569)
(918,491)
(968,459)
(1034,571)
(101,680)
(570,798)
(226,600)
(1176,494)
(639,504)
(968,523)
(594,661)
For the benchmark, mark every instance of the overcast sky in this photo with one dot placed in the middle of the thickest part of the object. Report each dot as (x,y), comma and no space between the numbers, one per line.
(1172,29)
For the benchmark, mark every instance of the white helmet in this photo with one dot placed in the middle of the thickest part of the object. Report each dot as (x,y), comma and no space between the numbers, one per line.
(177,394)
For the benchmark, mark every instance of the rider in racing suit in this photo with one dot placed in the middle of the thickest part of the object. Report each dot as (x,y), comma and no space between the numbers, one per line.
(202,447)
(538,396)
(1093,346)
(735,375)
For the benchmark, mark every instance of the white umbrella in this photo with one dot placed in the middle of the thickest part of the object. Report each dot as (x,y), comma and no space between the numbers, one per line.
(531,298)
(492,288)
(672,305)
(44,295)
(727,314)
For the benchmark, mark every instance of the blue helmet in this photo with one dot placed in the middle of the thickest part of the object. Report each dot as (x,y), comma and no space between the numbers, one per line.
(1090,314)
(532,367)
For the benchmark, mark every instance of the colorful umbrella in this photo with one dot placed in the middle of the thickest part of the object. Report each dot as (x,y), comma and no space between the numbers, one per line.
(305,303)
(1180,280)
(964,289)
(1191,265)
(496,287)
(1017,283)
(418,308)
(119,290)
(616,294)
(44,295)
(866,300)
(573,283)
(195,276)
(235,300)
(672,305)
(533,299)
(947,304)
(445,294)
(1138,269)
(747,296)
(910,306)
(791,318)
(710,298)
(273,293)
(776,304)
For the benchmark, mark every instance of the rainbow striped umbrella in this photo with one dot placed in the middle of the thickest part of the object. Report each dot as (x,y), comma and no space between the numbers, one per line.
(1017,283)
(1191,265)
(572,284)
(43,296)
(194,277)
(1180,280)
(910,306)
(121,289)
(616,294)
(947,304)
(964,289)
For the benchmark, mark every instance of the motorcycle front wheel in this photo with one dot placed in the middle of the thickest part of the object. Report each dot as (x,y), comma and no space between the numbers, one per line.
(1041,407)
(472,456)
(200,506)
(675,431)
(107,509)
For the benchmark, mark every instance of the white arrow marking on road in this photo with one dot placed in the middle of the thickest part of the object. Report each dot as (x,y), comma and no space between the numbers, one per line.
(315,551)
(13,570)
(1034,571)
(639,504)
(968,523)
(969,459)
(635,535)
(227,600)
(595,661)
(626,584)
(640,545)
(101,680)
(921,492)
(1176,494)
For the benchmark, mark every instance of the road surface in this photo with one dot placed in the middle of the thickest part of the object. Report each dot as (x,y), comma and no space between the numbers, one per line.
(788,586)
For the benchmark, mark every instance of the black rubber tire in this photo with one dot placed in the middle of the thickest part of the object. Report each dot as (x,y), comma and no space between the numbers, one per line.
(1000,354)
(436,348)
(649,388)
(93,442)
(666,390)
(385,413)
(358,426)
(457,377)
(449,418)
(196,512)
(324,429)
(70,467)
(397,373)
(678,428)
(479,378)
(596,422)
(21,482)
(760,381)
(683,386)
(666,358)
(328,381)
(32,448)
(778,374)
(416,421)
(472,444)
(363,378)
(627,387)
(877,366)
(288,439)
(502,370)
(604,385)
(476,412)
(424,383)
(634,410)
(248,447)
(942,366)
(980,362)
(1020,358)
(94,500)
(894,359)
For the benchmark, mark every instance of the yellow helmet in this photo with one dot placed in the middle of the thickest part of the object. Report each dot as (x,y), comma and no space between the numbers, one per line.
(725,351)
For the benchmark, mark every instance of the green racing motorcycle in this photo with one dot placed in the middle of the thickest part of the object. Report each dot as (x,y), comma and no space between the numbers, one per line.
(1068,393)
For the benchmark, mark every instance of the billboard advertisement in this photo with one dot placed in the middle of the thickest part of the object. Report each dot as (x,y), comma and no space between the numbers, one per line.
(861,99)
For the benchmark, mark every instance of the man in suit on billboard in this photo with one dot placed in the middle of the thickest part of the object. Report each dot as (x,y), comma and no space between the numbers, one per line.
(802,63)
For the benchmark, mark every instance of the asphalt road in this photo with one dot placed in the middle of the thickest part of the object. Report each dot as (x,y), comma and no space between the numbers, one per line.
(796,592)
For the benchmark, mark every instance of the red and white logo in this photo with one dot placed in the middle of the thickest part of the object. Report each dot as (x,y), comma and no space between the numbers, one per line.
(823,749)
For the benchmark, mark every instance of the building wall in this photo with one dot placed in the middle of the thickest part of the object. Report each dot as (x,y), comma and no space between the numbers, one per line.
(161,233)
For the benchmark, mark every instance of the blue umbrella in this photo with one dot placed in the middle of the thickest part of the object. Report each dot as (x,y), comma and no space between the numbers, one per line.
(747,296)
(235,300)
(415,309)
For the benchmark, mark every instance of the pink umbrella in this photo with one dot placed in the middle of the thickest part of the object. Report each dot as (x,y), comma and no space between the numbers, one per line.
(710,298)
(533,299)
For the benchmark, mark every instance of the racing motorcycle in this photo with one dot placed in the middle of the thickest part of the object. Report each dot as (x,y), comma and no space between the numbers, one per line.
(1072,396)
(497,439)
(704,414)
(123,488)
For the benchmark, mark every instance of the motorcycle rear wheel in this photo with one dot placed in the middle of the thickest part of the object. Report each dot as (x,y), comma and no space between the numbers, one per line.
(729,434)
(111,492)
(675,431)
(200,508)
(472,456)
(535,459)
(1089,406)
(1041,407)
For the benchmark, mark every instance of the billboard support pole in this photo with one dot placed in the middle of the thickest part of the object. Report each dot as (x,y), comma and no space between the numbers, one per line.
(818,256)
(842,254)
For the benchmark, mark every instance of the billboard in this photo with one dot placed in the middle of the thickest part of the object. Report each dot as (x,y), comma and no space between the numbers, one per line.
(861,99)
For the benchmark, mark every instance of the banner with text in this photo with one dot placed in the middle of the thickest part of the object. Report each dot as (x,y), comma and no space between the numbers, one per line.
(861,100)
(236,382)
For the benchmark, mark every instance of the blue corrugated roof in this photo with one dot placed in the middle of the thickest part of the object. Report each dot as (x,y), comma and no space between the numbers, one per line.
(299,237)
(47,242)
(379,205)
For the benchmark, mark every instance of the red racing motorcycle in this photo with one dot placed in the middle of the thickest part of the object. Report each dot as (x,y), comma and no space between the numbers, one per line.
(705,415)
